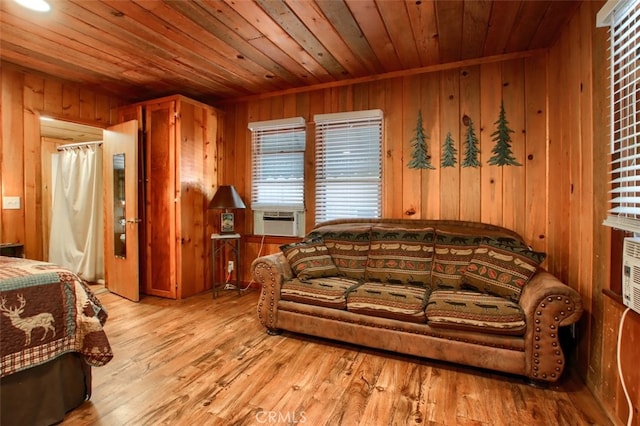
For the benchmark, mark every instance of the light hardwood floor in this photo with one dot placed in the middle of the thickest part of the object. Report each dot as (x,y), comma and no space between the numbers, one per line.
(204,361)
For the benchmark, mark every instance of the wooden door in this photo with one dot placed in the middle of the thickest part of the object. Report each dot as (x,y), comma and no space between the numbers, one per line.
(120,172)
(161,198)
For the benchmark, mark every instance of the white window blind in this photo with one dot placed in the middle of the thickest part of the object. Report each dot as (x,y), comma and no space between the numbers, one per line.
(348,165)
(277,164)
(624,20)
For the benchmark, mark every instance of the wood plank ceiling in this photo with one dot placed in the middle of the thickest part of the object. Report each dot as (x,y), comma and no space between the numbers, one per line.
(212,49)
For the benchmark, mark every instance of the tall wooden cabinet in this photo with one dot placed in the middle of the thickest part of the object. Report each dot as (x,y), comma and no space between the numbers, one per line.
(178,171)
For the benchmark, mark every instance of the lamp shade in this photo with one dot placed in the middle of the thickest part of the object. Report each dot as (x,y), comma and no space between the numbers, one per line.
(226,197)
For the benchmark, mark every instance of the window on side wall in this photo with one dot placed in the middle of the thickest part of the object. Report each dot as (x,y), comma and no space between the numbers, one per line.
(348,165)
(623,19)
(277,164)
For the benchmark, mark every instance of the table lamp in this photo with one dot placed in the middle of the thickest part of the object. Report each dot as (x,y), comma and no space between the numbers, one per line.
(226,198)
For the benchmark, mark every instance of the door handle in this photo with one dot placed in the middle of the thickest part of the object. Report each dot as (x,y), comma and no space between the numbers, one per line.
(134,220)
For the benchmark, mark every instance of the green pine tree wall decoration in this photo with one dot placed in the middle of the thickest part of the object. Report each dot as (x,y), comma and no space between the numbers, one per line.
(471,150)
(420,156)
(448,152)
(502,154)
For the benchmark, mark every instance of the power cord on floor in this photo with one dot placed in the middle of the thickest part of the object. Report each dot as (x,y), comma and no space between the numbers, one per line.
(624,386)
(229,286)
(259,254)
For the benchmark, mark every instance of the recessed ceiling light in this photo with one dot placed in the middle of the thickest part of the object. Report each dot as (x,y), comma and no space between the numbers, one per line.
(37,5)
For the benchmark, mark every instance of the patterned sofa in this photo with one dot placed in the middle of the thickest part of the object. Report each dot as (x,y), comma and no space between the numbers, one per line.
(463,292)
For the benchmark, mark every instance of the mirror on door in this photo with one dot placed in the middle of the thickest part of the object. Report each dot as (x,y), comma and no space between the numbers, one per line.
(119,212)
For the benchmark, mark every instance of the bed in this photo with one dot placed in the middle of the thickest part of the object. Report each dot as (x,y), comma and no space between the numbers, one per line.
(51,336)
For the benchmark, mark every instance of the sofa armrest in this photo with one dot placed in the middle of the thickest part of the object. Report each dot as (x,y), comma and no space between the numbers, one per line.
(270,272)
(548,304)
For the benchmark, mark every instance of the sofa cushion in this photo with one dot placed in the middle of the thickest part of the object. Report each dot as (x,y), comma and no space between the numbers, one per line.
(467,310)
(453,252)
(395,301)
(310,259)
(329,292)
(348,248)
(400,256)
(500,271)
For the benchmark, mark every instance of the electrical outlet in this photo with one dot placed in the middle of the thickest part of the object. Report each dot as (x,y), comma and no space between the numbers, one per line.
(230,266)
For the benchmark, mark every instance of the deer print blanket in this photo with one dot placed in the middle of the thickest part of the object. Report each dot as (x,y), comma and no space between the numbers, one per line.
(45,311)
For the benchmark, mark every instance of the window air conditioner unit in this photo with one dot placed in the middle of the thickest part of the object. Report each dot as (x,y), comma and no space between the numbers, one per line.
(286,223)
(631,273)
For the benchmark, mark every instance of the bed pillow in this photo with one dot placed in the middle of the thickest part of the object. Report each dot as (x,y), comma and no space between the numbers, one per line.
(310,259)
(500,271)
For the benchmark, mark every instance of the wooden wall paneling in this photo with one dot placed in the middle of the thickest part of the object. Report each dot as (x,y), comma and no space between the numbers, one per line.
(13,225)
(449,189)
(378,94)
(70,100)
(289,107)
(103,108)
(53,97)
(277,107)
(215,135)
(534,158)
(48,148)
(430,101)
(470,189)
(513,177)
(266,109)
(574,155)
(600,172)
(32,201)
(393,163)
(557,203)
(361,97)
(345,102)
(629,354)
(35,236)
(491,186)
(563,210)
(612,394)
(412,189)
(87,104)
(586,285)
(25,96)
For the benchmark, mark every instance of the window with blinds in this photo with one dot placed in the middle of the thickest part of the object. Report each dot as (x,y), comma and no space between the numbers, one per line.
(277,164)
(348,165)
(623,18)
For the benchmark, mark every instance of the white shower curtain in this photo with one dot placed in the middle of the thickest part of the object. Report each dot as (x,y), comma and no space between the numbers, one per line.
(77,236)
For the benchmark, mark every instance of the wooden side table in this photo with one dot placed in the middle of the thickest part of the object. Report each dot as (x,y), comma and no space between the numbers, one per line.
(218,243)
(12,249)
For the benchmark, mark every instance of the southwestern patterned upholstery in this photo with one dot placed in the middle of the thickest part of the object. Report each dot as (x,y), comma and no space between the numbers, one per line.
(400,256)
(469,310)
(463,292)
(310,259)
(497,271)
(401,302)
